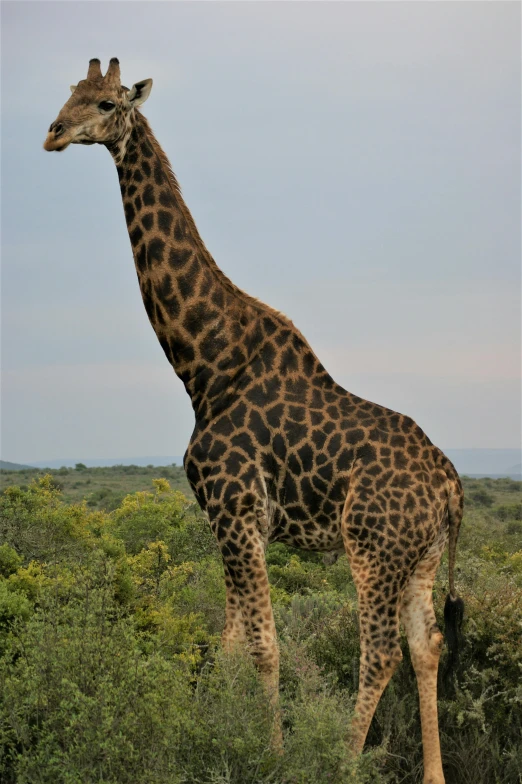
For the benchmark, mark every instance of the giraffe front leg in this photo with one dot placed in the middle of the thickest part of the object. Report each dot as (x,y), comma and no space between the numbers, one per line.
(249,609)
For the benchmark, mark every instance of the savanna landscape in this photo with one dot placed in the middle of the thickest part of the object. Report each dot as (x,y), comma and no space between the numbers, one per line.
(111,608)
(355,165)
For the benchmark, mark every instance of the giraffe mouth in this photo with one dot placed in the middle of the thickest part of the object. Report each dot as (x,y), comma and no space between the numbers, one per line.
(59,145)
(52,144)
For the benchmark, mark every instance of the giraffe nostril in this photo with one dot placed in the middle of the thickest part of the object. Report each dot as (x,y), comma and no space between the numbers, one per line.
(57,128)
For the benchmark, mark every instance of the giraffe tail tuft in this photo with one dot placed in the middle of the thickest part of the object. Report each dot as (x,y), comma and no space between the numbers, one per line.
(453,615)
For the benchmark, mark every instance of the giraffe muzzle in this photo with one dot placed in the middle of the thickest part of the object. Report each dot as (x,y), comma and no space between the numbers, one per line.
(54,141)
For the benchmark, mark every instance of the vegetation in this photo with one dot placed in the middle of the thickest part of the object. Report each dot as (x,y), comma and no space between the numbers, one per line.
(102,488)
(111,670)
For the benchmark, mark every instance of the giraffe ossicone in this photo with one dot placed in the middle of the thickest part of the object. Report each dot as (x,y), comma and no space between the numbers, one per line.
(280,452)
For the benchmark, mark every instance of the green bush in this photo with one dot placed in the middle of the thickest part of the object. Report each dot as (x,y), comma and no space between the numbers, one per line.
(81,703)
(298,576)
(509,512)
(38,525)
(111,669)
(10,561)
(482,497)
(148,517)
(514,529)
(13,607)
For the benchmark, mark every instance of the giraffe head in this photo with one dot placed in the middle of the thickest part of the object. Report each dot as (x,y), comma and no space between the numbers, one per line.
(99,110)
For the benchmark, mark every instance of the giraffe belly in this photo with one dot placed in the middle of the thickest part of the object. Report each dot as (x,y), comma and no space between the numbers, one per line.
(308,536)
(311,521)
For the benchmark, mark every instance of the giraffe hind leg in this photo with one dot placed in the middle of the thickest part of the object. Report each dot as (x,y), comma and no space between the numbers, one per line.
(425,642)
(378,593)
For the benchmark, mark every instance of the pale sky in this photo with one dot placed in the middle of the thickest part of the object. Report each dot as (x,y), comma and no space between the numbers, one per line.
(355,165)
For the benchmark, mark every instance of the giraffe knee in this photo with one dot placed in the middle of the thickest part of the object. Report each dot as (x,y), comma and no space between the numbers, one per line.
(380,665)
(392,660)
(233,638)
(266,656)
(436,641)
(426,650)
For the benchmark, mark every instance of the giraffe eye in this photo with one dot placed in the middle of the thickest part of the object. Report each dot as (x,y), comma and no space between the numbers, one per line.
(106,106)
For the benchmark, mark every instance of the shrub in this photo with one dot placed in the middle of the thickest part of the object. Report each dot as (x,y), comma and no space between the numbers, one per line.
(9,560)
(509,512)
(193,539)
(148,517)
(13,607)
(110,668)
(38,525)
(482,497)
(298,576)
(81,703)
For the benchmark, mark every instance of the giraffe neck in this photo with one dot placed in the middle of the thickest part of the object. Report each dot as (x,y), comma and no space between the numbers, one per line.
(205,325)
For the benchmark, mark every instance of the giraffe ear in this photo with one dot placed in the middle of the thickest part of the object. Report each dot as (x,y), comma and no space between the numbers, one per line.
(139,92)
(72,88)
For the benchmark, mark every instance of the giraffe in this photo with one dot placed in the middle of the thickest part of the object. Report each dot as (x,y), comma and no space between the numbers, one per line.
(279,451)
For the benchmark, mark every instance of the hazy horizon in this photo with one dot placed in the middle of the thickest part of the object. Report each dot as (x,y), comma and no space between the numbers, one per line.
(355,165)
(468,462)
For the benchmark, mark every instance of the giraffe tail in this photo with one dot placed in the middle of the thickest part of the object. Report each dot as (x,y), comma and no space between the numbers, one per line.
(454,606)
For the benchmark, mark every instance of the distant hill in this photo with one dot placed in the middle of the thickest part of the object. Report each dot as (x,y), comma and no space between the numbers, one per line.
(6,466)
